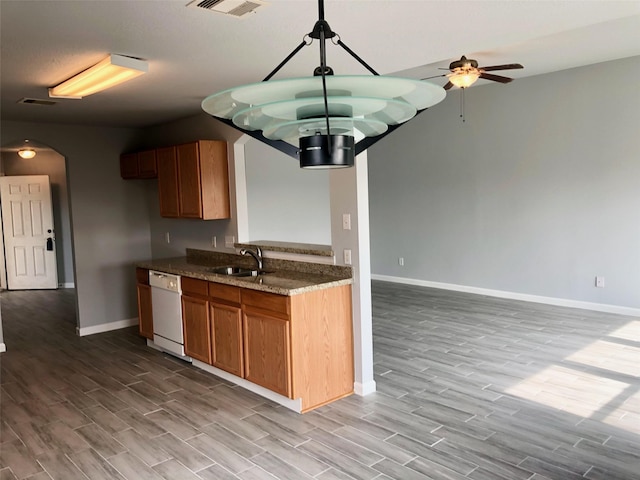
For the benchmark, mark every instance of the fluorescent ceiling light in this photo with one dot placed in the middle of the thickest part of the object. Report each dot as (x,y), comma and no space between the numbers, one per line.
(111,71)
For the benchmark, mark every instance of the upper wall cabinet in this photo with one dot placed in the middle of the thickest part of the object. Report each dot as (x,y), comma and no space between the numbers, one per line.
(139,165)
(193,180)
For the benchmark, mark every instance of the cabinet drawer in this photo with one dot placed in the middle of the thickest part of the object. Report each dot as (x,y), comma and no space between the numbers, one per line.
(194,286)
(224,292)
(142,276)
(266,301)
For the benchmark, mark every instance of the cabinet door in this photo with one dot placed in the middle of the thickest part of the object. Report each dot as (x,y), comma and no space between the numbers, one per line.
(196,326)
(168,182)
(267,358)
(129,165)
(189,186)
(147,164)
(145,316)
(226,338)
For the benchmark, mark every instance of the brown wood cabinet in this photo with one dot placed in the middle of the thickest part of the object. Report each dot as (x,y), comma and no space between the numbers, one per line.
(267,353)
(168,182)
(196,323)
(227,347)
(129,165)
(300,346)
(226,338)
(145,315)
(139,165)
(147,164)
(193,180)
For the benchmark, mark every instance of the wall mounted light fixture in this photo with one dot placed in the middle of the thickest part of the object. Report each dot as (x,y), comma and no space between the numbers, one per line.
(111,71)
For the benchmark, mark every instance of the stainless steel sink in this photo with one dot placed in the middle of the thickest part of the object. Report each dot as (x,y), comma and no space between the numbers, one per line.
(235,271)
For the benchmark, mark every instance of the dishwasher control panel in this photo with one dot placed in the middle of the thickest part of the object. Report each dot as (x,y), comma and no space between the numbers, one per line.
(165,281)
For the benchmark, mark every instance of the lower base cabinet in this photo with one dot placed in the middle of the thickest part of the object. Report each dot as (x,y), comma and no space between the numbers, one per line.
(298,346)
(145,313)
(195,327)
(226,338)
(267,352)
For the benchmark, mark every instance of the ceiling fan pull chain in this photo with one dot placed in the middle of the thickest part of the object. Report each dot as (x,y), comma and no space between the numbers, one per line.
(462,104)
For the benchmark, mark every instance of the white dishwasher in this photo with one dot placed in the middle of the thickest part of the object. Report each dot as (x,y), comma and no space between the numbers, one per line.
(166,306)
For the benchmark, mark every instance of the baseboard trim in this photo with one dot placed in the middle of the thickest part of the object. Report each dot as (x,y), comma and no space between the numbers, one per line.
(67,285)
(106,327)
(3,347)
(364,389)
(295,405)
(560,302)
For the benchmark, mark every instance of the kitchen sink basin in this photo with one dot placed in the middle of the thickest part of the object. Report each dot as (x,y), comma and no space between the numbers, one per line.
(234,271)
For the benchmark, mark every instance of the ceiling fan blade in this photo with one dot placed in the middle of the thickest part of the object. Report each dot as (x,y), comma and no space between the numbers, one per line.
(435,76)
(509,66)
(495,78)
(448,86)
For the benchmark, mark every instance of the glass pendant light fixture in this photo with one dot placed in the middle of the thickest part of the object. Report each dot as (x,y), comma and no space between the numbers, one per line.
(326,119)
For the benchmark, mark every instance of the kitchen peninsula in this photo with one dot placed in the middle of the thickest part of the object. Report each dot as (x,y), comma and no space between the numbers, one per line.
(285,333)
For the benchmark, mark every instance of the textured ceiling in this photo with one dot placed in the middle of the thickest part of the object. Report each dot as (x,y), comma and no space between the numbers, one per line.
(193,52)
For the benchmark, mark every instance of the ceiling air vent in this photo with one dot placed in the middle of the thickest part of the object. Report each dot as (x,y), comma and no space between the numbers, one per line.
(37,101)
(236,8)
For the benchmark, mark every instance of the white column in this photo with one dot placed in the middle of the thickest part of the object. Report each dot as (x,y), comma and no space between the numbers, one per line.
(350,195)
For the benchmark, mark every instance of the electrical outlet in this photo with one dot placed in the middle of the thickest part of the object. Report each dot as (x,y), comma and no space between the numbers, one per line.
(347,256)
(401,261)
(167,237)
(229,241)
(214,241)
(346,221)
(600,282)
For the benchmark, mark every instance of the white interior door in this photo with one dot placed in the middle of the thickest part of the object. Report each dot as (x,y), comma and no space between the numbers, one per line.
(27,221)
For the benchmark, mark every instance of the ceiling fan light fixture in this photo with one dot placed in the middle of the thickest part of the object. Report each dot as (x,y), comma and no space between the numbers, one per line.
(112,71)
(464,78)
(293,114)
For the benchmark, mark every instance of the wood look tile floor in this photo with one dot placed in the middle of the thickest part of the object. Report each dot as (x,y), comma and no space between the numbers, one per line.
(469,387)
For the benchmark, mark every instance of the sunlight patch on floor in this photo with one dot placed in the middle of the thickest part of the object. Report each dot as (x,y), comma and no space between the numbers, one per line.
(600,389)
(631,331)
(569,390)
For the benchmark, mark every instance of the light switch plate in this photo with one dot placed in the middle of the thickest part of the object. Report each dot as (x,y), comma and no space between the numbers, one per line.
(229,241)
(346,221)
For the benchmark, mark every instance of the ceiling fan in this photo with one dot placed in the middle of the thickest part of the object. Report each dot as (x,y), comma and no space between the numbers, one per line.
(465,72)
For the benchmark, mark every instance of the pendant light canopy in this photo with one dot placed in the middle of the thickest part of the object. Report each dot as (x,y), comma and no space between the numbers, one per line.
(327,119)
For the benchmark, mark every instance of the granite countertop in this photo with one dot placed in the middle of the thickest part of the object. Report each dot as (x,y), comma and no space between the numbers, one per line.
(284,277)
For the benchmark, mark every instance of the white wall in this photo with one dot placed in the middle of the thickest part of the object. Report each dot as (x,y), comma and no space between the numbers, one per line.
(285,202)
(109,216)
(52,164)
(538,192)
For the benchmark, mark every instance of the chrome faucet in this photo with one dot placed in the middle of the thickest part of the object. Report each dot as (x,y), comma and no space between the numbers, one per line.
(257,255)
